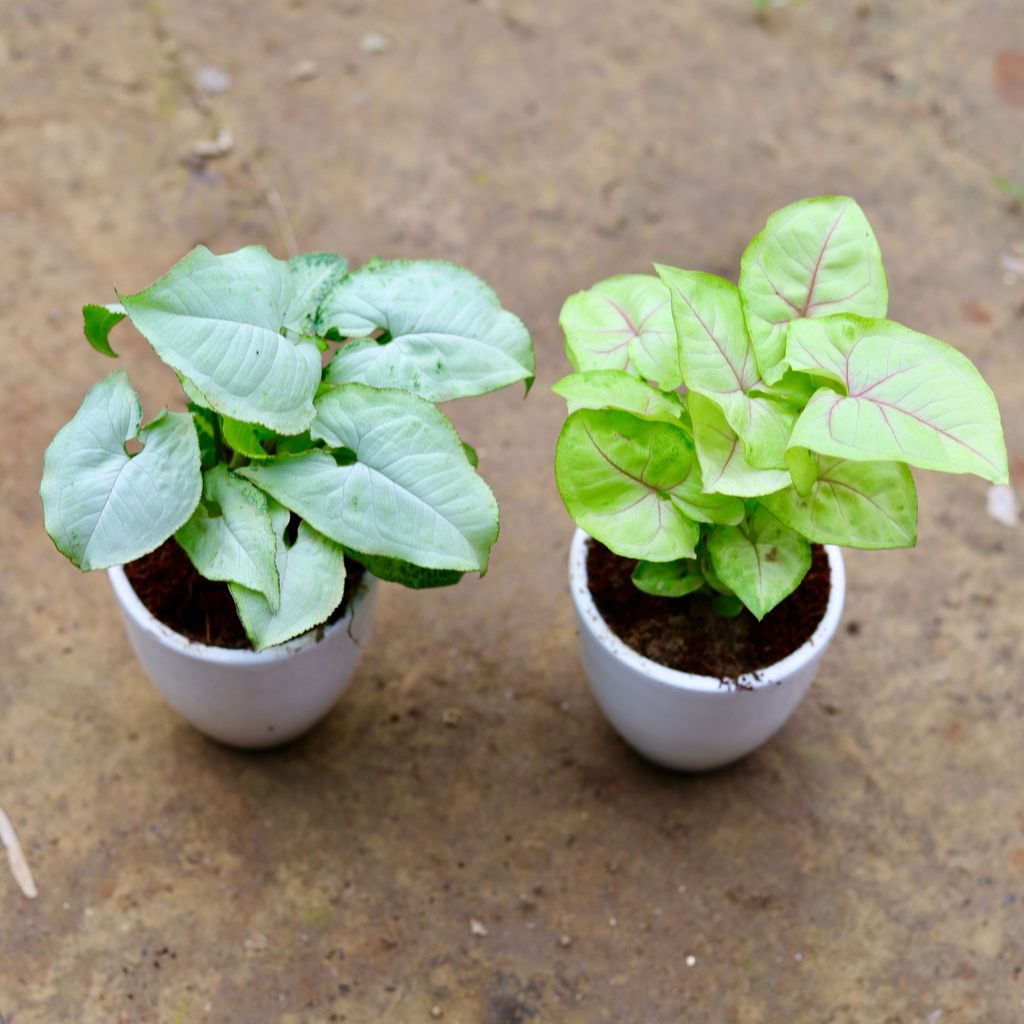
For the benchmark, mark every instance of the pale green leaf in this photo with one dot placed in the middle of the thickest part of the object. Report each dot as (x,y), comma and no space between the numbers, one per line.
(104,507)
(855,504)
(804,467)
(312,575)
(720,453)
(411,492)
(446,334)
(192,393)
(313,274)
(691,500)
(98,321)
(793,388)
(217,321)
(230,536)
(718,362)
(616,389)
(761,561)
(909,398)
(668,579)
(617,475)
(623,323)
(244,438)
(813,258)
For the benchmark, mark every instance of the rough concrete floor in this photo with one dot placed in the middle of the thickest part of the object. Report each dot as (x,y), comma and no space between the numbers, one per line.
(866,866)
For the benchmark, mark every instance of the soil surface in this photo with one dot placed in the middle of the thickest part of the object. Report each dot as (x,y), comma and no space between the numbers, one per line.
(689,635)
(866,865)
(200,609)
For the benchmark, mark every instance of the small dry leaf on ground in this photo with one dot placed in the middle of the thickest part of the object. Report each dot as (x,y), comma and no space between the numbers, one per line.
(210,149)
(304,70)
(1008,77)
(213,80)
(1013,258)
(1003,506)
(375,42)
(16,858)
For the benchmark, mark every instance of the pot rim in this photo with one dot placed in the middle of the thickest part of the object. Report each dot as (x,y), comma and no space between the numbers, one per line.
(770,675)
(132,606)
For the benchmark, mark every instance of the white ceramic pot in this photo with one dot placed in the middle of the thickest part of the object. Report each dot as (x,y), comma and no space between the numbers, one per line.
(245,698)
(686,721)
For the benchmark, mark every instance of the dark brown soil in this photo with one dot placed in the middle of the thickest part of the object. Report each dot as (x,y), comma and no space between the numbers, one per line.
(197,608)
(689,635)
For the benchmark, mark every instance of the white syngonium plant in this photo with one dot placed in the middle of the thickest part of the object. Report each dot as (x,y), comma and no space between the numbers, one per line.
(715,431)
(357,451)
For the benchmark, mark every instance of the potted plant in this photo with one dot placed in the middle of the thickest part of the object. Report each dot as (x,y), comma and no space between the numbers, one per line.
(722,443)
(244,537)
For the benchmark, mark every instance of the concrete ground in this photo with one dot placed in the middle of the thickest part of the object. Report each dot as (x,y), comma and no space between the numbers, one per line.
(865,866)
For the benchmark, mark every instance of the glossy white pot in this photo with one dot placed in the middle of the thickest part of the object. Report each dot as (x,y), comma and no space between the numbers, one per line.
(245,698)
(686,721)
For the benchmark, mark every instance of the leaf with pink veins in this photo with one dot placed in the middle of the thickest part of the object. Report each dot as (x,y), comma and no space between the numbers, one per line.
(624,323)
(908,398)
(718,361)
(814,258)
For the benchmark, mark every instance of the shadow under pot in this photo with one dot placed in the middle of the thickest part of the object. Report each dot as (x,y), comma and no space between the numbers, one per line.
(683,720)
(243,697)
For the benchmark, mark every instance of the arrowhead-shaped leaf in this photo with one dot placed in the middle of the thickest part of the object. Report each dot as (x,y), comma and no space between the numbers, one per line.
(760,561)
(312,575)
(446,334)
(217,320)
(720,453)
(616,389)
(718,362)
(909,398)
(813,258)
(668,579)
(230,536)
(624,323)
(98,321)
(313,274)
(855,504)
(617,475)
(104,507)
(411,492)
